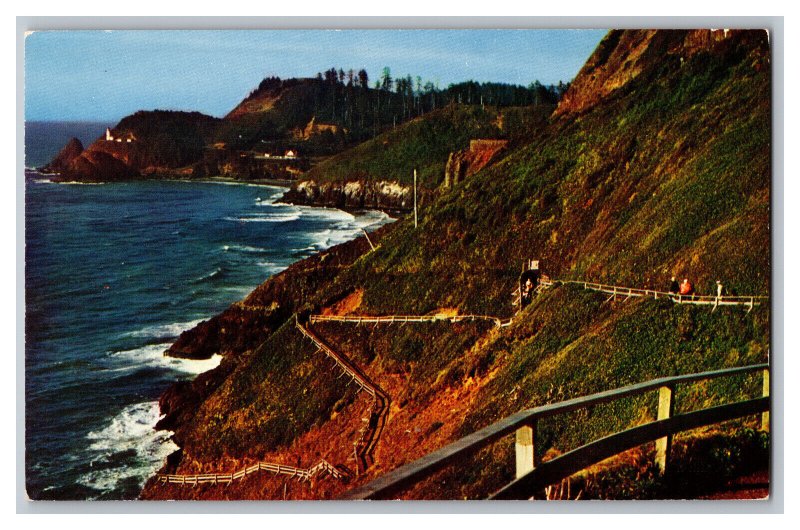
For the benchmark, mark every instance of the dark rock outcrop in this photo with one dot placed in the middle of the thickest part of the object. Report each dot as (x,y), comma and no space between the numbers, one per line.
(462,164)
(145,144)
(65,157)
(94,165)
(354,194)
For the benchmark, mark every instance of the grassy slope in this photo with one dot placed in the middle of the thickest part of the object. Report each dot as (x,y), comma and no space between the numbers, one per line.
(670,176)
(425,143)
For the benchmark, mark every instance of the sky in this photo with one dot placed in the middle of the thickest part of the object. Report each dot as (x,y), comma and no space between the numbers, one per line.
(106,75)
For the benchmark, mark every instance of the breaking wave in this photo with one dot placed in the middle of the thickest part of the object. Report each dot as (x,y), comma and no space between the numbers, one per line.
(153,355)
(127,448)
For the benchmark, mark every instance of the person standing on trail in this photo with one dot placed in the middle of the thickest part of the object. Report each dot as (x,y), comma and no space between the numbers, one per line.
(673,286)
(719,289)
(526,292)
(687,288)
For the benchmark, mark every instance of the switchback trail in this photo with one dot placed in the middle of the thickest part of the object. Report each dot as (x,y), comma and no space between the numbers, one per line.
(370,432)
(374,425)
(321,468)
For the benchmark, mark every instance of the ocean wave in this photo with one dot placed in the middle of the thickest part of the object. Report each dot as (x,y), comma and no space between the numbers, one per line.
(153,355)
(245,248)
(347,229)
(268,218)
(77,183)
(128,447)
(164,331)
(325,214)
(371,218)
(271,268)
(216,273)
(235,183)
(270,201)
(238,291)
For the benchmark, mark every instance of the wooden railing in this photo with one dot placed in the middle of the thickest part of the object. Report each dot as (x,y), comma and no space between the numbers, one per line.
(531,477)
(628,292)
(321,468)
(394,319)
(374,424)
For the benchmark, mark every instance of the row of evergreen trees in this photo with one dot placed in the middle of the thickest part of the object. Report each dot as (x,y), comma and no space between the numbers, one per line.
(365,108)
(418,97)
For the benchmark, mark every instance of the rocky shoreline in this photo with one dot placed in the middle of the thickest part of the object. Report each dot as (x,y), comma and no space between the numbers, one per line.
(242,326)
(352,195)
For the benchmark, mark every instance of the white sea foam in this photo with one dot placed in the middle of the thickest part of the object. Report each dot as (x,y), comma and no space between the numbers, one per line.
(164,331)
(77,183)
(281,217)
(325,214)
(153,355)
(350,226)
(131,432)
(239,291)
(270,201)
(235,183)
(210,276)
(245,248)
(271,268)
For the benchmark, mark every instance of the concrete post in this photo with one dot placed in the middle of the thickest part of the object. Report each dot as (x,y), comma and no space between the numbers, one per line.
(663,445)
(765,393)
(526,454)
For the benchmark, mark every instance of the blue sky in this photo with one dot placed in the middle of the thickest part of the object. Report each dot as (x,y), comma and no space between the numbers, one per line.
(105,75)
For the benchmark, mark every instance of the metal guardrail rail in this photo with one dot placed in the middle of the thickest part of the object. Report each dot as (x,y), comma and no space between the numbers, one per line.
(530,477)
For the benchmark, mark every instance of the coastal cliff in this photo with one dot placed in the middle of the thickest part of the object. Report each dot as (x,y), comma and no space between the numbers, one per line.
(352,194)
(143,145)
(654,166)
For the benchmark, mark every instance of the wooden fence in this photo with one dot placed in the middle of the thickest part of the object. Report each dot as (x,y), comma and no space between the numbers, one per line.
(394,319)
(629,292)
(321,468)
(374,424)
(531,476)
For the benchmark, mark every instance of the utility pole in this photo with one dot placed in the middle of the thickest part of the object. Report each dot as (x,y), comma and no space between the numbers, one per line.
(415,197)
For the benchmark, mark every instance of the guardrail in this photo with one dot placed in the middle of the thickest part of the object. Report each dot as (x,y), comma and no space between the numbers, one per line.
(628,292)
(393,319)
(530,476)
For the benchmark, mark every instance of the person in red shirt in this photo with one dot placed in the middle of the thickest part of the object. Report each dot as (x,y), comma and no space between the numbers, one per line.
(687,289)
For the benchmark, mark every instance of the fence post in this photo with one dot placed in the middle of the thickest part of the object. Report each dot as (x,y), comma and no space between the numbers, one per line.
(665,409)
(765,393)
(525,450)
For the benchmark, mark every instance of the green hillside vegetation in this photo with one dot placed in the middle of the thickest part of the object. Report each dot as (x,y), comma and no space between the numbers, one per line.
(425,143)
(170,138)
(669,175)
(278,106)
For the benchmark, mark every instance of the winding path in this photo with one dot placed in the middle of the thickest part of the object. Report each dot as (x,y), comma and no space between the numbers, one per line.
(321,468)
(379,411)
(374,425)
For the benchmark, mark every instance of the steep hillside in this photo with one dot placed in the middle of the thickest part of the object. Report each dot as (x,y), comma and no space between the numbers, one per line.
(650,168)
(424,144)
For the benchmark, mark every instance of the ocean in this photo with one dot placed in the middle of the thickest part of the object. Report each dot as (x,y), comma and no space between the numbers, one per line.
(113,274)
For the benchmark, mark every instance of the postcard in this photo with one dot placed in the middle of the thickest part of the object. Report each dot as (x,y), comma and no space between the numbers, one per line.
(398,264)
